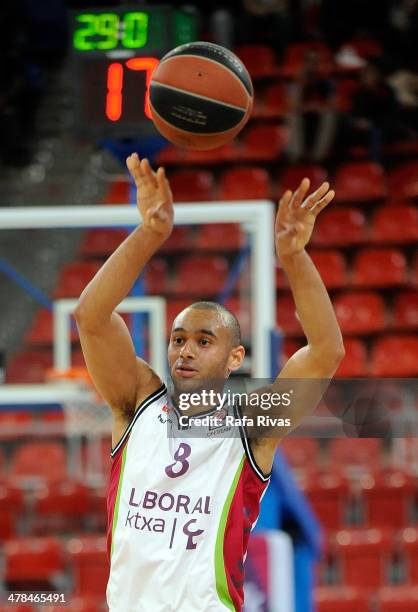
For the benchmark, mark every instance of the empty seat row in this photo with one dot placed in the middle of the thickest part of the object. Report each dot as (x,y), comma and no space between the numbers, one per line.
(393,223)
(359,312)
(382,499)
(389,356)
(53,506)
(401,598)
(205,275)
(41,559)
(354,182)
(357,182)
(371,268)
(364,557)
(261,61)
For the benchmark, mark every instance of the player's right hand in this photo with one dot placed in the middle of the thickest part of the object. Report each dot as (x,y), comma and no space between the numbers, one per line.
(154,197)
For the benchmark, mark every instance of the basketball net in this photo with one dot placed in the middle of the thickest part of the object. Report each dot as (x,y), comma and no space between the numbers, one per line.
(86,414)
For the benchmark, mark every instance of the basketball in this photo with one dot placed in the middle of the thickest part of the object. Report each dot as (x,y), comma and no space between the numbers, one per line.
(201,96)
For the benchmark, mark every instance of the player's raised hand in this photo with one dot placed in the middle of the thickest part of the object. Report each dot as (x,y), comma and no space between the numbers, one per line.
(154,197)
(296,217)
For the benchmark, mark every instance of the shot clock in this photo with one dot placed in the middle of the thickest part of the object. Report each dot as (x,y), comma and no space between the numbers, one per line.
(114,51)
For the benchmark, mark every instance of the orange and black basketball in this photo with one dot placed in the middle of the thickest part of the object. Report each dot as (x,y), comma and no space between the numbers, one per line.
(201,95)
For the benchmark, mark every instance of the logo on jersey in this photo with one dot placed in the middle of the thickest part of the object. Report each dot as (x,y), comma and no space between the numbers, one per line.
(163,416)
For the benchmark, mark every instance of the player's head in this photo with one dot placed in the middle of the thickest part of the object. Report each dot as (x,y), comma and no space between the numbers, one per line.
(205,344)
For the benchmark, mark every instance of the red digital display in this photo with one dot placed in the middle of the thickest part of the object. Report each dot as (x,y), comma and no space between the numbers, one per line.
(114,95)
(115,83)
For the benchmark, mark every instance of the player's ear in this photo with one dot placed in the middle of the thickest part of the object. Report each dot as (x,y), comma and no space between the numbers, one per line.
(236,357)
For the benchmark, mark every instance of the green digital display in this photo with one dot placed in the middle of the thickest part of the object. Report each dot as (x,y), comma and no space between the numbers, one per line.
(140,29)
(104,31)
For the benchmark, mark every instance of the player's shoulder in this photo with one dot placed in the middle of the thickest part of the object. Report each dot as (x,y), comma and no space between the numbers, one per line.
(150,385)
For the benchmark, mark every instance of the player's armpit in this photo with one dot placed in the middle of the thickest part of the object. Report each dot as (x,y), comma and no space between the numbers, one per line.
(121,378)
(287,402)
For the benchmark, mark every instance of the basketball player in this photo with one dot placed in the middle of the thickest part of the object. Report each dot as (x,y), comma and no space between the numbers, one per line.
(181,509)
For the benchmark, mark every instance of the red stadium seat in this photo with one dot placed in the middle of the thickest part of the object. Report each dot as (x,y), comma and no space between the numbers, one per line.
(220,237)
(388,497)
(328,494)
(293,175)
(60,507)
(28,367)
(295,54)
(39,461)
(345,91)
(170,155)
(11,505)
(340,599)
(331,266)
(33,560)
(395,224)
(74,277)
(365,46)
(101,242)
(300,452)
(400,598)
(259,60)
(286,316)
(355,362)
(264,142)
(201,276)
(90,567)
(364,556)
(192,185)
(355,452)
(409,545)
(275,102)
(14,424)
(395,356)
(156,276)
(119,192)
(41,332)
(403,181)
(384,267)
(340,227)
(180,240)
(290,346)
(229,152)
(360,313)
(405,310)
(246,183)
(359,182)
(414,272)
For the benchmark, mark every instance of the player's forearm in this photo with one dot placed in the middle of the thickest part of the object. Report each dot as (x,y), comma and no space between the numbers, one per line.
(314,307)
(116,277)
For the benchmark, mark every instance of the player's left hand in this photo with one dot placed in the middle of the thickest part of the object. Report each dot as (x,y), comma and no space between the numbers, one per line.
(296,216)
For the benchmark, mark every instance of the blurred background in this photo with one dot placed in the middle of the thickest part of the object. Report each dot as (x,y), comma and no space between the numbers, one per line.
(336,98)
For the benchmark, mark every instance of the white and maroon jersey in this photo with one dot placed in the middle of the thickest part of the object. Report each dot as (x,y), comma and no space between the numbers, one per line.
(180,512)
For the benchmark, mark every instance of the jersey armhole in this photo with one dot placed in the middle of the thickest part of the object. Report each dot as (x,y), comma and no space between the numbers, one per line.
(139,410)
(248,451)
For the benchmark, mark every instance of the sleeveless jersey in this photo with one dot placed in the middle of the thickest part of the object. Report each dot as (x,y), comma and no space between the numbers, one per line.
(180,512)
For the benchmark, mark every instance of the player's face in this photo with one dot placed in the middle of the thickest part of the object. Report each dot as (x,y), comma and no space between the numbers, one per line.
(201,349)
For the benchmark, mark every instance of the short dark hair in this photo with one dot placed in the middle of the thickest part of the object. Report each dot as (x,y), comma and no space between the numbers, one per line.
(232,321)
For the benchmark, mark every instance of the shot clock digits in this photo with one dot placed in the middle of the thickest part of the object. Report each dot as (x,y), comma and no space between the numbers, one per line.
(114,51)
(108,31)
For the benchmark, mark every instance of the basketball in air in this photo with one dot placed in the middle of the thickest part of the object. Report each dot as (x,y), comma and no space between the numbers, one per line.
(201,96)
